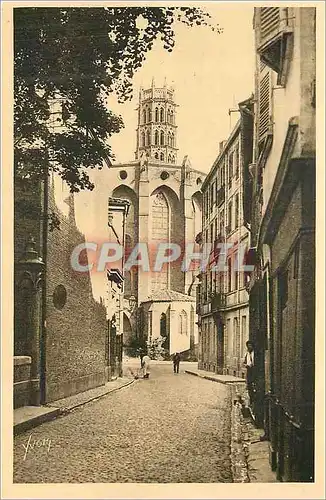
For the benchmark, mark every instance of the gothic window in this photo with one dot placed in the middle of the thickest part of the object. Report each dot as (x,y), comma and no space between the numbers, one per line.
(160,233)
(162,115)
(172,140)
(172,117)
(169,159)
(156,114)
(143,139)
(156,138)
(162,157)
(148,138)
(163,325)
(173,159)
(149,115)
(144,116)
(162,138)
(183,323)
(156,156)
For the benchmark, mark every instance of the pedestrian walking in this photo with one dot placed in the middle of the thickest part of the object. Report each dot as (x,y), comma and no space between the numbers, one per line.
(146,366)
(249,362)
(176,362)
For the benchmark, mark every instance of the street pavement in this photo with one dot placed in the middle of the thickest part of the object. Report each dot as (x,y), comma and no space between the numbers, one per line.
(171,428)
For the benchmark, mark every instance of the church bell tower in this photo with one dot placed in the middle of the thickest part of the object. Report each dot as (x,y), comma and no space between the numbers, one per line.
(157,131)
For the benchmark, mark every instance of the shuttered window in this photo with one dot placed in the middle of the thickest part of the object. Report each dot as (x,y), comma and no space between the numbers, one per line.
(269,22)
(264,103)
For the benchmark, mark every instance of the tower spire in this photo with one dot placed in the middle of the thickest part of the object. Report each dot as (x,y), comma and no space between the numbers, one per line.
(157,131)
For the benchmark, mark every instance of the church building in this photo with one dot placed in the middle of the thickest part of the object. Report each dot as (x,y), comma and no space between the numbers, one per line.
(165,207)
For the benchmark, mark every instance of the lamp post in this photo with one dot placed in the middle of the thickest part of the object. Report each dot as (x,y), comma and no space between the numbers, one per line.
(29,279)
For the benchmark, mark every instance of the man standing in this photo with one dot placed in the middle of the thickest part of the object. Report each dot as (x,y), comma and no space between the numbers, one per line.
(249,362)
(176,362)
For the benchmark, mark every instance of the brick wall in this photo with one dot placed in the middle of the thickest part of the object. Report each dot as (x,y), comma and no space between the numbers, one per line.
(76,334)
(76,342)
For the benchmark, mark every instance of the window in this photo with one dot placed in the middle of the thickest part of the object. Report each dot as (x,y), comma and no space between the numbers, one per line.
(222,222)
(236,271)
(162,115)
(236,215)
(162,156)
(148,138)
(156,156)
(230,167)
(160,233)
(156,138)
(156,115)
(172,140)
(264,103)
(229,275)
(143,139)
(183,323)
(274,30)
(243,335)
(144,116)
(162,138)
(149,115)
(172,117)
(212,194)
(230,216)
(235,337)
(236,162)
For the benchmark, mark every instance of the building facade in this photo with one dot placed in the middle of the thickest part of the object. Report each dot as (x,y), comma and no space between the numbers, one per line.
(165,208)
(280,211)
(222,300)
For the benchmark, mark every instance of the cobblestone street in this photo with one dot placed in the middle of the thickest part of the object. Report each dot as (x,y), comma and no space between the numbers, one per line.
(170,428)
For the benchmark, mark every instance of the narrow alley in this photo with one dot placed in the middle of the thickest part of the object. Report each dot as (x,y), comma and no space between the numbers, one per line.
(171,428)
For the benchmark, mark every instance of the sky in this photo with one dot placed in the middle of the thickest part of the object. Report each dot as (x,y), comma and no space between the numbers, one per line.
(210,73)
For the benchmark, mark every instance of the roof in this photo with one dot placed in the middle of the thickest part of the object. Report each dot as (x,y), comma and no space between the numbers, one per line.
(170,296)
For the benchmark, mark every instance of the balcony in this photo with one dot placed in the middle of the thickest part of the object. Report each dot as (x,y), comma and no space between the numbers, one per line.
(218,302)
(221,196)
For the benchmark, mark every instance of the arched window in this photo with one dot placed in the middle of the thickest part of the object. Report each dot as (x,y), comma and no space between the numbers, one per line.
(169,159)
(156,138)
(162,157)
(144,116)
(143,139)
(162,138)
(172,117)
(162,115)
(172,140)
(160,233)
(183,323)
(173,158)
(149,115)
(148,138)
(156,156)
(156,114)
(163,325)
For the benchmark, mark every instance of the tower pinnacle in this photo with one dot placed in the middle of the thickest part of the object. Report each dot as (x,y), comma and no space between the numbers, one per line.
(157,131)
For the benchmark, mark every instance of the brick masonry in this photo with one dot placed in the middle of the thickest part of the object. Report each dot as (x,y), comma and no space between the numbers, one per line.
(76,334)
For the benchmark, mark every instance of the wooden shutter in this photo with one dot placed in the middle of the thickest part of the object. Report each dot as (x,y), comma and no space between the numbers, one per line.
(264,103)
(269,23)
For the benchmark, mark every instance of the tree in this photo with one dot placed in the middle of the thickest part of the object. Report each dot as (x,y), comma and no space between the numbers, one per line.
(73,58)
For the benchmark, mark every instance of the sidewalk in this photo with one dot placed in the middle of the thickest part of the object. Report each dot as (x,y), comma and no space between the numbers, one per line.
(28,417)
(249,455)
(214,377)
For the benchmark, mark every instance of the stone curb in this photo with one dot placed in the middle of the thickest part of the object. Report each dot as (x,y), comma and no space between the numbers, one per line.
(60,412)
(35,421)
(239,449)
(68,409)
(213,379)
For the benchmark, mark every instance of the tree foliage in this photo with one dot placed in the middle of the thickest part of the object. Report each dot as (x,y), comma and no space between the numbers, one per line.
(74,58)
